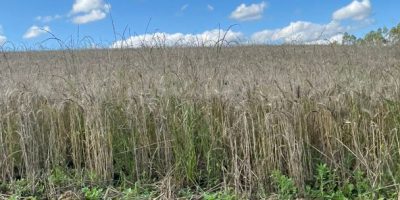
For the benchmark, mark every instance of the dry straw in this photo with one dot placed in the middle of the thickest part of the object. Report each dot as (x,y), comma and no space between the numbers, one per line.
(208,117)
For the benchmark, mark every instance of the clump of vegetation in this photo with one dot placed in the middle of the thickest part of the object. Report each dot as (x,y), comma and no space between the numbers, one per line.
(285,186)
(327,185)
(92,193)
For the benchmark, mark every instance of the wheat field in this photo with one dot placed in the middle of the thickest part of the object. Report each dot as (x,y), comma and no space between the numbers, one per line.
(215,118)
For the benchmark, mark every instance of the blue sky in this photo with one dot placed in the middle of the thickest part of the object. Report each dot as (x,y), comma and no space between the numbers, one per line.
(25,22)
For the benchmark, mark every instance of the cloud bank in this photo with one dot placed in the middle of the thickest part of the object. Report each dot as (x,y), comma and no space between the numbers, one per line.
(248,12)
(207,38)
(299,32)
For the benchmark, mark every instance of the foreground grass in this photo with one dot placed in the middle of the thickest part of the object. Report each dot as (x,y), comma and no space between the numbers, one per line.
(219,123)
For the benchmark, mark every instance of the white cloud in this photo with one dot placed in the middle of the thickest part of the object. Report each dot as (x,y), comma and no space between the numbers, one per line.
(36,31)
(85,11)
(300,32)
(312,33)
(210,7)
(356,10)
(3,38)
(86,6)
(184,7)
(207,38)
(46,19)
(248,13)
(94,15)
